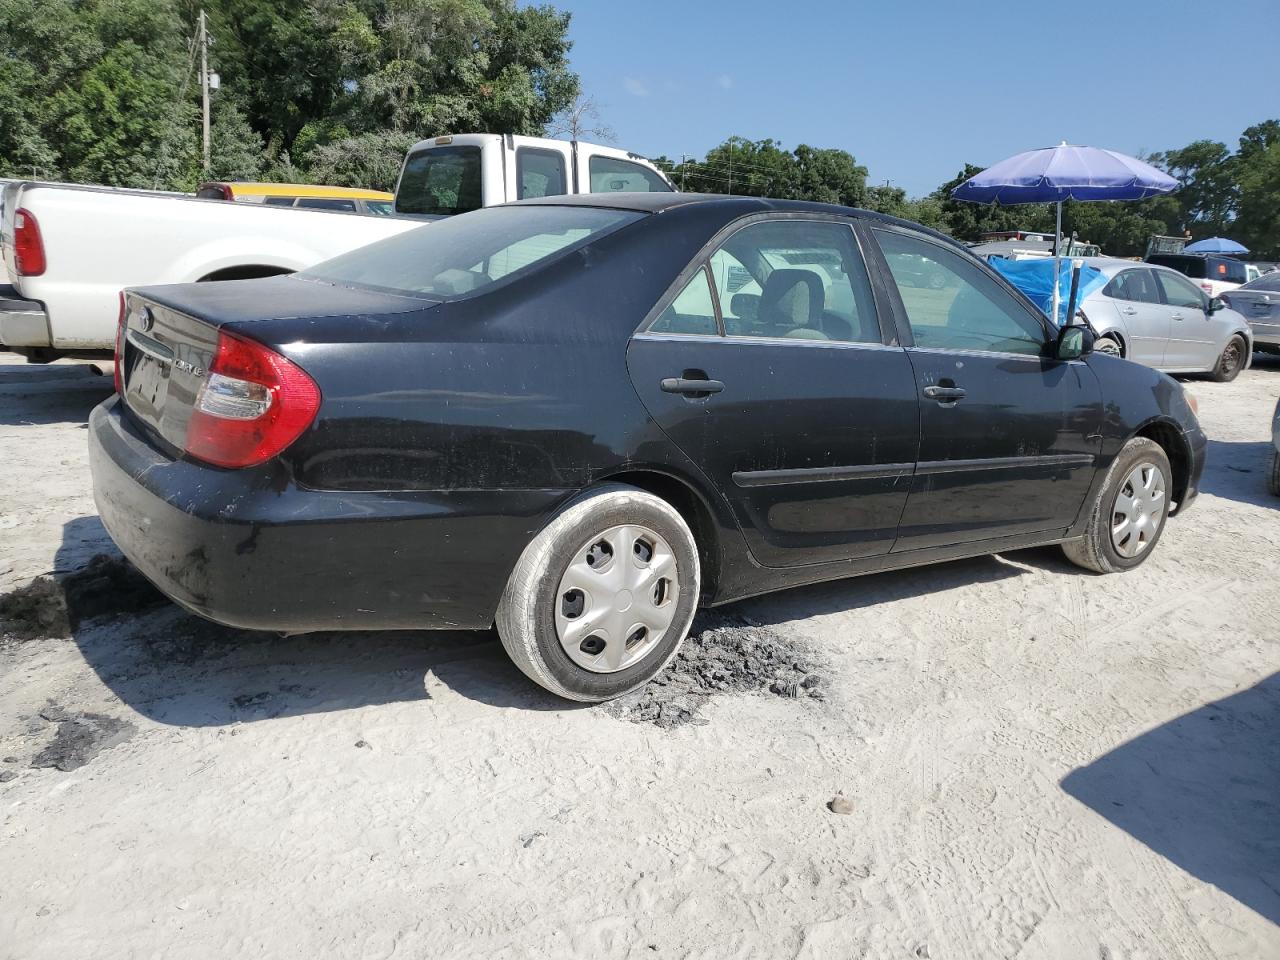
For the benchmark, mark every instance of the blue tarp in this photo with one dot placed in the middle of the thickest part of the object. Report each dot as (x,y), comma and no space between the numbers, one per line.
(1035,279)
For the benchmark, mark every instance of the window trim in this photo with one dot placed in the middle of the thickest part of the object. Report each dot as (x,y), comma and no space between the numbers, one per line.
(702,261)
(905,334)
(522,152)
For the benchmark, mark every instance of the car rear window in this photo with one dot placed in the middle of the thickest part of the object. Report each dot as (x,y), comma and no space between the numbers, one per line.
(461,255)
(440,181)
(1267,282)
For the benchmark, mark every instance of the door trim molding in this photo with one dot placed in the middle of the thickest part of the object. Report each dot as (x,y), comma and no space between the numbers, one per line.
(772,478)
(928,467)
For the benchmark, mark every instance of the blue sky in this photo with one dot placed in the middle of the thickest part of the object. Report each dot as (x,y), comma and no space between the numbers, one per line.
(915,89)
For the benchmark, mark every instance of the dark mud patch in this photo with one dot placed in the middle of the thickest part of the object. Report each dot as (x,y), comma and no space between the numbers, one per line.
(80,738)
(721,655)
(56,606)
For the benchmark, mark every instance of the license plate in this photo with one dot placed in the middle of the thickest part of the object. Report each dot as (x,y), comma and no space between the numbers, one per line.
(148,385)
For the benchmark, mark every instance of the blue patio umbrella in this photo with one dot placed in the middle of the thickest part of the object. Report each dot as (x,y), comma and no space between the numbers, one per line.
(1065,172)
(1216,245)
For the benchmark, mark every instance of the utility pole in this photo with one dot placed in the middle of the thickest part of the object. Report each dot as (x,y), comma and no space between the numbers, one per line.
(204,84)
(684,166)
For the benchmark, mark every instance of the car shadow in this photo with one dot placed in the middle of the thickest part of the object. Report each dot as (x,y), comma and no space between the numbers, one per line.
(36,394)
(177,668)
(1203,791)
(854,593)
(1238,470)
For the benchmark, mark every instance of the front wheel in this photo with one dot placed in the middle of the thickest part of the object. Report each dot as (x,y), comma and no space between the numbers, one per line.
(1231,362)
(1109,346)
(1128,515)
(602,597)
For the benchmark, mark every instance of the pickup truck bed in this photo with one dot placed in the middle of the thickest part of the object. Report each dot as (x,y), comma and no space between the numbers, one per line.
(98,240)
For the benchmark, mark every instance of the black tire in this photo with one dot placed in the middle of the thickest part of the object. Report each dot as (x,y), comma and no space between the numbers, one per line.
(1273,479)
(1232,360)
(1095,550)
(526,618)
(1108,345)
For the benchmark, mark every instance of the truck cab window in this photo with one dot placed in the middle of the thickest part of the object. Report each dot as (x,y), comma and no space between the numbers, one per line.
(611,175)
(539,173)
(440,181)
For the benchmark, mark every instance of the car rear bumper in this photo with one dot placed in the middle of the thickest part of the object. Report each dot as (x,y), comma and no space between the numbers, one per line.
(23,323)
(251,549)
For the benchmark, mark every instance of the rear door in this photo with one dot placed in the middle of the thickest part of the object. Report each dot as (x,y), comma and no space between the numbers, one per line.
(1192,340)
(779,382)
(1141,313)
(1008,436)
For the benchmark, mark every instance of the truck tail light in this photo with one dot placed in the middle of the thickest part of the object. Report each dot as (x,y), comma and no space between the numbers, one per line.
(28,245)
(1207,288)
(253,404)
(119,371)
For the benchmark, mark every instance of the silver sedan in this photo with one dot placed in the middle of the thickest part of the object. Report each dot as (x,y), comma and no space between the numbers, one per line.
(1157,317)
(1258,301)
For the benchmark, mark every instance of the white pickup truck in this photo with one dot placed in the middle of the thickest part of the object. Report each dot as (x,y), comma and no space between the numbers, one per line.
(69,250)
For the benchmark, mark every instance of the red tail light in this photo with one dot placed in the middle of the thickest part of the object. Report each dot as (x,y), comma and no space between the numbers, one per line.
(253,404)
(119,372)
(28,245)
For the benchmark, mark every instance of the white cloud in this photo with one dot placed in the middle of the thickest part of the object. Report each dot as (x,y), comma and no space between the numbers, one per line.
(724,82)
(637,88)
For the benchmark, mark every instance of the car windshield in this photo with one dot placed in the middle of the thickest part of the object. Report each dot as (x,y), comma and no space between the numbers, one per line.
(1268,282)
(455,257)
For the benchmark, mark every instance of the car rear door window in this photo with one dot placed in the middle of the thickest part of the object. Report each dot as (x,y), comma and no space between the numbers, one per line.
(692,312)
(539,173)
(1179,292)
(1138,286)
(795,279)
(954,304)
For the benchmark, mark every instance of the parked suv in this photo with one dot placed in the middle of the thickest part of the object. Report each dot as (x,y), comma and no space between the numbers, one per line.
(1213,274)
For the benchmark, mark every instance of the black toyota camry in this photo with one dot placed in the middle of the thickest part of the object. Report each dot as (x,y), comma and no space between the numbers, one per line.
(580,418)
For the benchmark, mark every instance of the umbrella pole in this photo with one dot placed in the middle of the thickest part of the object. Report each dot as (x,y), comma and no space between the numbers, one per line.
(1057,266)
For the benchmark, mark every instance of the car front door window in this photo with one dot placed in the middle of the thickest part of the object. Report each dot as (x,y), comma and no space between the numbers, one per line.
(1180,292)
(952,304)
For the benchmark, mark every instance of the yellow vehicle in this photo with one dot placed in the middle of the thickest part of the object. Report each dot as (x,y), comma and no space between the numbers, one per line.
(376,203)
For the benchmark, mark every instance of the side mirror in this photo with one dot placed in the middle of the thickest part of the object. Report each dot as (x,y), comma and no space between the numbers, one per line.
(1216,304)
(1074,342)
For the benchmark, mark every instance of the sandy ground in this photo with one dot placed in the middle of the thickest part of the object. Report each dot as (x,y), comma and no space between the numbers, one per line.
(1040,763)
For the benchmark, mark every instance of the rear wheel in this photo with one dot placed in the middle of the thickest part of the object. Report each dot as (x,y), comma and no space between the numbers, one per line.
(1108,345)
(1231,362)
(1128,515)
(602,597)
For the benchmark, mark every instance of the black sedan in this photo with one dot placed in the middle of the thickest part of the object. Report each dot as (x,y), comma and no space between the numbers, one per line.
(580,418)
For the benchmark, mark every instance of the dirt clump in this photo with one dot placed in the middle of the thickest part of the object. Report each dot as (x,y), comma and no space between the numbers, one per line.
(51,606)
(721,655)
(80,738)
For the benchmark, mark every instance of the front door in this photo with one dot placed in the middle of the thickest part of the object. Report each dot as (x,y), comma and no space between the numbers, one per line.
(1191,335)
(1008,437)
(777,381)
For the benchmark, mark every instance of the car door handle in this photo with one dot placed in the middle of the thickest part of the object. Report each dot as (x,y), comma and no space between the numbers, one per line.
(691,387)
(1128,311)
(944,394)
(1177,316)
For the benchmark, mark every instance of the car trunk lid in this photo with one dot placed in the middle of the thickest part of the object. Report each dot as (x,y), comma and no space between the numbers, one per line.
(170,337)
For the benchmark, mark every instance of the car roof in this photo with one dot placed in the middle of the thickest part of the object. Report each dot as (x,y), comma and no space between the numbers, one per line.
(733,206)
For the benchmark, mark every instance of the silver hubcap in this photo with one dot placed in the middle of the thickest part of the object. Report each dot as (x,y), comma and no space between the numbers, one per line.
(617,598)
(1140,504)
(1108,347)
